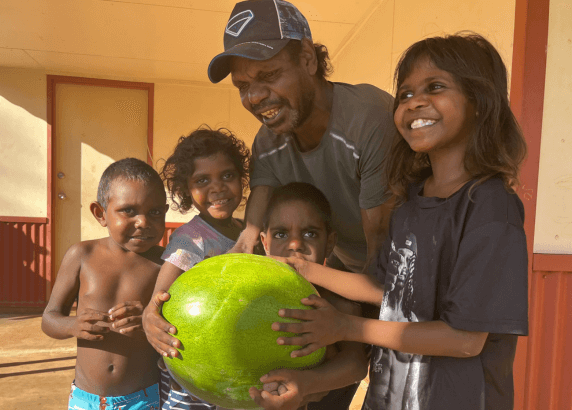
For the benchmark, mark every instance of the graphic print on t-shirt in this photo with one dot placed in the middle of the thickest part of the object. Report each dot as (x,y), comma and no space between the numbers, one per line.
(398,379)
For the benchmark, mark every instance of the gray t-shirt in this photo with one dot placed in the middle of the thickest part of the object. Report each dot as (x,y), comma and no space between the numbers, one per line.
(346,166)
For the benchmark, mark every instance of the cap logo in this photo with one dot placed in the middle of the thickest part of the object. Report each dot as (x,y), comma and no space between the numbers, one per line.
(238,22)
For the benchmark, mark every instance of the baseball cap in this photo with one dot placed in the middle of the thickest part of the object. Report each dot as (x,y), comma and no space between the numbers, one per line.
(258,30)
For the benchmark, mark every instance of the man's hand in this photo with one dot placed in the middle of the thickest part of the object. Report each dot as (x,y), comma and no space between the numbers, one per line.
(320,327)
(246,241)
(86,327)
(157,329)
(126,317)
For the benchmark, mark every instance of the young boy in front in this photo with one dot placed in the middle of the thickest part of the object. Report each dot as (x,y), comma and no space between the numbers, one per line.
(113,279)
(298,222)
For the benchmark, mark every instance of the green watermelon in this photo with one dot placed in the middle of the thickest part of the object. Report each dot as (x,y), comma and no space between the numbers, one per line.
(223,309)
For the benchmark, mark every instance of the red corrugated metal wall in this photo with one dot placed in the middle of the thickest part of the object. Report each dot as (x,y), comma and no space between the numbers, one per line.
(550,367)
(169,229)
(543,365)
(23,268)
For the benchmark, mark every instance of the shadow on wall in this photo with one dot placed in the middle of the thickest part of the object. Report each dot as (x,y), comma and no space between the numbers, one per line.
(23,266)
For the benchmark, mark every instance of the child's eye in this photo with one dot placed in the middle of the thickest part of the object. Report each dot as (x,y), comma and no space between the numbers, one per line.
(280,235)
(128,211)
(435,86)
(156,212)
(229,175)
(404,95)
(201,181)
(310,234)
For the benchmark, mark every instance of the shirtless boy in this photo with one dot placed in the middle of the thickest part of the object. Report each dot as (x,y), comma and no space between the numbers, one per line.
(113,279)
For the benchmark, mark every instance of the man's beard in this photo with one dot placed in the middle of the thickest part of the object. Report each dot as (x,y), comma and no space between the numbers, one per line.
(299,117)
(296,117)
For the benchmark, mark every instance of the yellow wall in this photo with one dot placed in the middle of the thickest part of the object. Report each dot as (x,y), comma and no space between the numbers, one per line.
(553,232)
(179,109)
(371,53)
(23,143)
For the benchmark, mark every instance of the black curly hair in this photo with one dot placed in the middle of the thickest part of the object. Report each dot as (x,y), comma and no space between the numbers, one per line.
(201,143)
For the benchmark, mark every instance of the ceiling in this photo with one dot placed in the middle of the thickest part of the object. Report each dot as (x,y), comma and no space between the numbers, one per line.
(145,40)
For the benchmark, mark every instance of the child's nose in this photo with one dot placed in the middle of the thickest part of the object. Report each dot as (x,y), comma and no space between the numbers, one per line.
(419,100)
(218,185)
(141,221)
(296,245)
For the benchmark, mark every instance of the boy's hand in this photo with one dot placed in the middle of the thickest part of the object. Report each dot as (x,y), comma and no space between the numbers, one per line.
(86,327)
(157,329)
(322,326)
(281,390)
(126,317)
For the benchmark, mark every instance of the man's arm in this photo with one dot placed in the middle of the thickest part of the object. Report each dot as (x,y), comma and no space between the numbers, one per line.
(254,215)
(375,222)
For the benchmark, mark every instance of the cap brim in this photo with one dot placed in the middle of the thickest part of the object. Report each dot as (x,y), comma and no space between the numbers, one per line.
(219,67)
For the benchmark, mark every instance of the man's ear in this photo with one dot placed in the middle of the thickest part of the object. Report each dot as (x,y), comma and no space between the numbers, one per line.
(332,239)
(263,240)
(99,213)
(308,56)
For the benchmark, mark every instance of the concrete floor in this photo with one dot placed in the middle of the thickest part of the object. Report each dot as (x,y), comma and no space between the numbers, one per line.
(36,371)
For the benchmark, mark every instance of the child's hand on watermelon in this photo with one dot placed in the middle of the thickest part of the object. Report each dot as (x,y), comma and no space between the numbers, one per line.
(158,331)
(322,326)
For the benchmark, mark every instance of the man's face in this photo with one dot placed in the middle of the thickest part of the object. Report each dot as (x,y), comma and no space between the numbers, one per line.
(279,92)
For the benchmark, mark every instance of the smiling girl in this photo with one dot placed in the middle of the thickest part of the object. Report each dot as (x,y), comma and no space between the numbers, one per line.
(208,171)
(452,276)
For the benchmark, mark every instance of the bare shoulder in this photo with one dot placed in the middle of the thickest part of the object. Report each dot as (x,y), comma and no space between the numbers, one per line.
(79,252)
(339,302)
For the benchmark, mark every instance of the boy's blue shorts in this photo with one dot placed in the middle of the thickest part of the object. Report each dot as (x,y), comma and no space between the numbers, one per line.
(146,399)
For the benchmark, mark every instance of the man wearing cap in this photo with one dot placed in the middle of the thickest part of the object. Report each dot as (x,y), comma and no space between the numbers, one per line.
(332,135)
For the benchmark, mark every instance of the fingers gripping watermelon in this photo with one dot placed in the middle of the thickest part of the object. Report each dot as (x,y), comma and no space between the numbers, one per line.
(223,309)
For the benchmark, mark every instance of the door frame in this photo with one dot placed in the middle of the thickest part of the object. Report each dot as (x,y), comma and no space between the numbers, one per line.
(52,81)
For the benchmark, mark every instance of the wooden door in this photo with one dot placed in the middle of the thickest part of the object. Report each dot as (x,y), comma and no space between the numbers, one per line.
(95,125)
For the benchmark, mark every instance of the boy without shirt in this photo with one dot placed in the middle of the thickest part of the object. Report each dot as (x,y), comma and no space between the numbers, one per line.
(113,279)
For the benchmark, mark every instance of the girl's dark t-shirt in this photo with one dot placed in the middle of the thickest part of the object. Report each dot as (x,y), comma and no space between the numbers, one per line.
(462,260)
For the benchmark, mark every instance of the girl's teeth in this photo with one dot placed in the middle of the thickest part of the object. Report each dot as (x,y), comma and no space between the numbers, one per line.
(421,123)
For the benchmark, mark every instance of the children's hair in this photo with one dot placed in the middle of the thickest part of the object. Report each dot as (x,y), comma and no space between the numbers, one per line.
(300,191)
(130,169)
(497,146)
(201,143)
